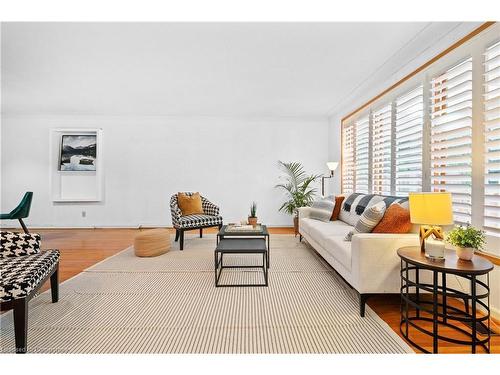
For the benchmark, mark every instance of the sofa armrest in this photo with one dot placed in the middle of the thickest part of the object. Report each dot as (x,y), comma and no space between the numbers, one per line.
(304,212)
(375,262)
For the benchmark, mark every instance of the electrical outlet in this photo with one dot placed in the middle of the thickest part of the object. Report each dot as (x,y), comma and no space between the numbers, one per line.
(84,213)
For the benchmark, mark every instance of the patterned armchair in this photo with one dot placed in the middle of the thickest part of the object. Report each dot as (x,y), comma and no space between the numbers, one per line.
(210,218)
(24,270)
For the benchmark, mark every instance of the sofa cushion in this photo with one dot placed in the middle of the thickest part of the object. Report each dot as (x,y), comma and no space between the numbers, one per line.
(322,209)
(320,229)
(396,220)
(338,205)
(339,249)
(355,204)
(368,220)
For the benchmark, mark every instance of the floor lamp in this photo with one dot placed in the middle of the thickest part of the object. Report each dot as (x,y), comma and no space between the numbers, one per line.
(332,165)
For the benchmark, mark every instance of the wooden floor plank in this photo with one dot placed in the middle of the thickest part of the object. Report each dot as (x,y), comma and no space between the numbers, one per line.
(82,248)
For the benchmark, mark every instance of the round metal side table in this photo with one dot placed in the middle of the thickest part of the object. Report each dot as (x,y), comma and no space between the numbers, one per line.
(422,276)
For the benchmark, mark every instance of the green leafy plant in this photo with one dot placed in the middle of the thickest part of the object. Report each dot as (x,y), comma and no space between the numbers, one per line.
(297,187)
(466,237)
(253,210)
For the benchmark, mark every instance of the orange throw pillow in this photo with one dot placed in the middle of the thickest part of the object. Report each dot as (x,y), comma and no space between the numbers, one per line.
(396,220)
(189,204)
(338,205)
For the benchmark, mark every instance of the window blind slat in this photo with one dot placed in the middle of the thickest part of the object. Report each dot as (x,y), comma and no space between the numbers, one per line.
(451,137)
(491,214)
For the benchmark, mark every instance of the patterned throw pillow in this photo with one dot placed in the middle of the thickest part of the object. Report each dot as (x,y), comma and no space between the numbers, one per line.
(322,209)
(396,220)
(368,220)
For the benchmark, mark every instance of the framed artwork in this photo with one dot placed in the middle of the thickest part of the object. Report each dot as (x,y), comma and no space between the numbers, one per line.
(78,152)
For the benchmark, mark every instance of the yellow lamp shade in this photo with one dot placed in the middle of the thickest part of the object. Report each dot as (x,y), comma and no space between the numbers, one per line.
(431,208)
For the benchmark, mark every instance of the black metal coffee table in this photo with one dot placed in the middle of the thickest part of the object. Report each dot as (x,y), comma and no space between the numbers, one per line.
(261,232)
(240,246)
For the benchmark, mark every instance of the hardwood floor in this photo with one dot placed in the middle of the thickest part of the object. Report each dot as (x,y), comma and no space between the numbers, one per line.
(81,248)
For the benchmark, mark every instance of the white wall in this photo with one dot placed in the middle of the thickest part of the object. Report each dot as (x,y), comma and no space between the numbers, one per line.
(232,161)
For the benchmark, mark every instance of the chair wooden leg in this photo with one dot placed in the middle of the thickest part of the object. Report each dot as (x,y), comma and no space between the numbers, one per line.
(176,235)
(181,239)
(23,225)
(54,285)
(21,324)
(201,232)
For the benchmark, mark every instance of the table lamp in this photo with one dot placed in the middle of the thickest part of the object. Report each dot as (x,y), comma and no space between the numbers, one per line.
(430,210)
(332,165)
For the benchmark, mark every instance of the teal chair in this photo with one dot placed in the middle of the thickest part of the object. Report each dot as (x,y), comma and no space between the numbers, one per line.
(21,211)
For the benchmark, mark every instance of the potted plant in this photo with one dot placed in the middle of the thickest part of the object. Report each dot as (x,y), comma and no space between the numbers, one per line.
(252,219)
(465,240)
(297,187)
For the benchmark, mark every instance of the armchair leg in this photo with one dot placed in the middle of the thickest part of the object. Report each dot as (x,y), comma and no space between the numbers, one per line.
(21,324)
(23,226)
(176,235)
(201,232)
(181,239)
(54,285)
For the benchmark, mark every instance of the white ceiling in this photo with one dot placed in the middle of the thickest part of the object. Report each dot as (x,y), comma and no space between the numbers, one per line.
(228,69)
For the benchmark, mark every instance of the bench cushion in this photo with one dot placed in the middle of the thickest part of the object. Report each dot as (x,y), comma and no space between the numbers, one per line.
(20,275)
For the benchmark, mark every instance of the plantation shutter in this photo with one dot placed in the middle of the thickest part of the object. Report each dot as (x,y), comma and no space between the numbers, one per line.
(408,141)
(451,137)
(381,154)
(348,158)
(362,156)
(492,140)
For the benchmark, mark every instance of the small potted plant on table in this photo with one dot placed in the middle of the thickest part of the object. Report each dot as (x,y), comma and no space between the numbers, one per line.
(465,240)
(252,219)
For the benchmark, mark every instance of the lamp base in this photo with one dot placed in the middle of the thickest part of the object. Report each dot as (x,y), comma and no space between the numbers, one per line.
(427,231)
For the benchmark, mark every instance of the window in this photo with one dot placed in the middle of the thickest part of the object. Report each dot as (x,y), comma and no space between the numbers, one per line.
(362,155)
(348,158)
(451,137)
(408,141)
(381,155)
(492,140)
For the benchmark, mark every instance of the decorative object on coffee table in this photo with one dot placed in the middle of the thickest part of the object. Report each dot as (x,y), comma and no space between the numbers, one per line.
(465,240)
(430,210)
(182,223)
(151,243)
(415,307)
(297,187)
(252,218)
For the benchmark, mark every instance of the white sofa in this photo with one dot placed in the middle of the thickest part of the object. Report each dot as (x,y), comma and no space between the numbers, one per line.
(369,263)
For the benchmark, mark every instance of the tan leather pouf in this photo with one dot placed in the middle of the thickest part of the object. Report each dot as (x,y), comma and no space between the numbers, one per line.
(151,243)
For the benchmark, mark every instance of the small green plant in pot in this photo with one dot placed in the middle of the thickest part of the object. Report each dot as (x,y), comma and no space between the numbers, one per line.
(465,240)
(252,218)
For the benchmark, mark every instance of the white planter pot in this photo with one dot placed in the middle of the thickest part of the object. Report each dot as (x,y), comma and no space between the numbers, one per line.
(464,253)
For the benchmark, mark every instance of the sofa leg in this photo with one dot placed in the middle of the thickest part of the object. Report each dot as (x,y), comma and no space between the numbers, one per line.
(181,238)
(300,237)
(176,235)
(201,232)
(362,303)
(23,226)
(21,324)
(54,285)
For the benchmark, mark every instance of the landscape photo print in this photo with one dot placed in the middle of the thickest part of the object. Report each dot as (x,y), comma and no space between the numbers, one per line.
(78,153)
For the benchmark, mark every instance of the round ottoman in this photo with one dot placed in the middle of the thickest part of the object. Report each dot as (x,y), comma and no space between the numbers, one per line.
(151,243)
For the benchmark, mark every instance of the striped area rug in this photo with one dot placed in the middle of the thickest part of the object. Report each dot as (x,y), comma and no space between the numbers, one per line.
(169,304)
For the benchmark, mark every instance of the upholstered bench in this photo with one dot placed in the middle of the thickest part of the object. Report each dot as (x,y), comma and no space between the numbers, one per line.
(24,269)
